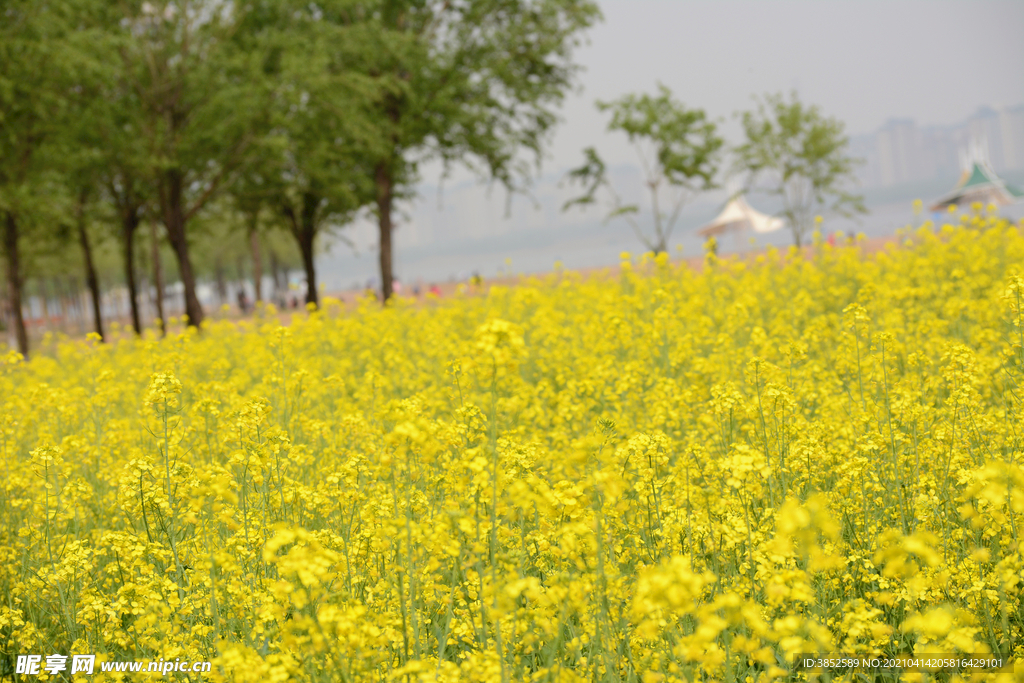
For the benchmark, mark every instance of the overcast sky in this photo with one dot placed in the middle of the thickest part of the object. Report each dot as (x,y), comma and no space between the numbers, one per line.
(863,61)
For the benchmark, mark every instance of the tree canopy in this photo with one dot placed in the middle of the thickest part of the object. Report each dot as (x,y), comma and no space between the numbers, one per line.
(798,154)
(41,67)
(679,150)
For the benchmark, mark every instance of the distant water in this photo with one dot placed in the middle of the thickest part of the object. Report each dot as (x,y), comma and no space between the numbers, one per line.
(591,245)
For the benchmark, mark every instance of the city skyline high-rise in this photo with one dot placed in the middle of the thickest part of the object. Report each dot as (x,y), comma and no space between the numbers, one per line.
(901,151)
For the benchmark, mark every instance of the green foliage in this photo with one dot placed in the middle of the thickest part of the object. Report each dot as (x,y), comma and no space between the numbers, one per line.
(474,82)
(796,153)
(312,168)
(40,70)
(679,151)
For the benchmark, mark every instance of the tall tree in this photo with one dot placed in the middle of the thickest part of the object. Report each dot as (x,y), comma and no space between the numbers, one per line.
(81,229)
(158,277)
(114,128)
(470,81)
(305,192)
(99,153)
(679,152)
(198,97)
(313,170)
(127,195)
(253,233)
(795,152)
(37,63)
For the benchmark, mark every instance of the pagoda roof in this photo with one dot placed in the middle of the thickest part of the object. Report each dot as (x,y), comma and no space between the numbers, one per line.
(979,184)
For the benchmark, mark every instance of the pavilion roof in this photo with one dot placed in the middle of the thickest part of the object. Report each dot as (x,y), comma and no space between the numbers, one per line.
(979,184)
(736,216)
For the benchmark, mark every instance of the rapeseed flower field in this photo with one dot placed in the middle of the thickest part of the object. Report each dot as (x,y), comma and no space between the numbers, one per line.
(668,475)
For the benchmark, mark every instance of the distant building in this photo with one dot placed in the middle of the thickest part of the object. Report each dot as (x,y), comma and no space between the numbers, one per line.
(1011,125)
(902,152)
(939,156)
(899,143)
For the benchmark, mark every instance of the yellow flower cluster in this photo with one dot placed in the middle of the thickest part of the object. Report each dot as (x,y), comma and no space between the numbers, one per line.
(663,476)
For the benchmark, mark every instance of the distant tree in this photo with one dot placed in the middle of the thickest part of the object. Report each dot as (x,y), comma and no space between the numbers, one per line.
(198,97)
(251,206)
(113,128)
(219,237)
(679,151)
(796,153)
(313,170)
(466,81)
(82,168)
(37,62)
(102,154)
(223,251)
(130,198)
(79,227)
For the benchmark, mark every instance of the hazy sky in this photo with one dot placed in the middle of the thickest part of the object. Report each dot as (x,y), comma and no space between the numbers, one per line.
(863,61)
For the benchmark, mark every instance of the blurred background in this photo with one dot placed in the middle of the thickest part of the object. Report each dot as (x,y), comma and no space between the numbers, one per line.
(914,82)
(197,156)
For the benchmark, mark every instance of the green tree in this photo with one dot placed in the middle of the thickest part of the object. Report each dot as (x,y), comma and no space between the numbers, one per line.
(113,129)
(467,81)
(795,152)
(78,226)
(38,62)
(314,170)
(200,99)
(100,152)
(679,151)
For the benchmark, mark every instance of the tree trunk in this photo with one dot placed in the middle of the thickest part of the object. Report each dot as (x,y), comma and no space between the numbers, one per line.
(385,198)
(44,299)
(798,234)
(92,282)
(305,239)
(257,263)
(174,221)
(274,268)
(158,280)
(76,300)
(303,228)
(222,287)
(240,272)
(14,282)
(5,320)
(90,268)
(310,202)
(129,227)
(61,304)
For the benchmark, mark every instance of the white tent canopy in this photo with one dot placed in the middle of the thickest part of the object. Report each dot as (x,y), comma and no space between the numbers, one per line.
(737,216)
